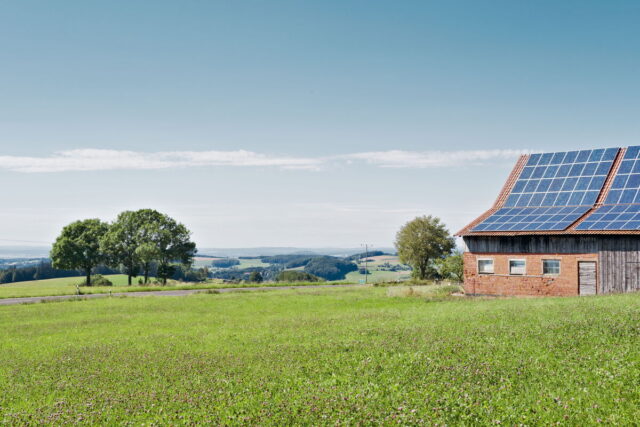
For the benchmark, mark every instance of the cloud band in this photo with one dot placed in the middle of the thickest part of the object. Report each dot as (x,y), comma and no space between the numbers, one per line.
(104,160)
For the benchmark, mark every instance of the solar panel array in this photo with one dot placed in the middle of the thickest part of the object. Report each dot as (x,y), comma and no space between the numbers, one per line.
(553,191)
(613,217)
(531,219)
(562,179)
(621,210)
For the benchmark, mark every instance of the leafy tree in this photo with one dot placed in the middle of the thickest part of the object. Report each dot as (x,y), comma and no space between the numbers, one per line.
(165,241)
(78,246)
(422,241)
(255,277)
(120,244)
(147,253)
(452,267)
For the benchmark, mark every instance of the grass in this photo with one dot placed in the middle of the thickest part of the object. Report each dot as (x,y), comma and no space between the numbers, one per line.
(67,286)
(318,357)
(377,276)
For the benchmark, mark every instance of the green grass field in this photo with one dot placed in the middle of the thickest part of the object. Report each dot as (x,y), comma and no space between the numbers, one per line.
(314,357)
(67,286)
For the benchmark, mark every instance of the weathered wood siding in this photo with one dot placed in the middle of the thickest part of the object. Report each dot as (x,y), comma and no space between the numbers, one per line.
(533,244)
(618,256)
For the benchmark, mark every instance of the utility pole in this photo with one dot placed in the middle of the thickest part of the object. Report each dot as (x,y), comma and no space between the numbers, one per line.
(366,260)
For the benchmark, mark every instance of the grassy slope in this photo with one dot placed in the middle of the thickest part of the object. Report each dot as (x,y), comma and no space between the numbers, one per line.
(67,286)
(321,356)
(61,286)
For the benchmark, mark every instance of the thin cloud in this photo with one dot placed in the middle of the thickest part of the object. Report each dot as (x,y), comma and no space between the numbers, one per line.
(432,159)
(103,160)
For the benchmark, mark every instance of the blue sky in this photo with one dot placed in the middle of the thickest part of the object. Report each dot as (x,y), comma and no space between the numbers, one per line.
(298,123)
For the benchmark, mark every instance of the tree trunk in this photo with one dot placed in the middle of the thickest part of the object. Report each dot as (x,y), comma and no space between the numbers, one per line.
(129,279)
(88,277)
(146,274)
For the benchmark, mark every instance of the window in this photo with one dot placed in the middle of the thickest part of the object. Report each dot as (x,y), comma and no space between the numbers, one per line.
(485,266)
(517,267)
(551,266)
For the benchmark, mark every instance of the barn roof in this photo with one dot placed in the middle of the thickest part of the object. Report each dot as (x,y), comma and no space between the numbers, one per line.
(576,192)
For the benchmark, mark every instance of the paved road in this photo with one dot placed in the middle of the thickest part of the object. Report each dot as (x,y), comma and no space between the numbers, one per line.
(27,300)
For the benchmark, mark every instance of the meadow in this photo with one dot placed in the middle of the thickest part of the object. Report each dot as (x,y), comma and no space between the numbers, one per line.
(322,356)
(68,286)
(376,273)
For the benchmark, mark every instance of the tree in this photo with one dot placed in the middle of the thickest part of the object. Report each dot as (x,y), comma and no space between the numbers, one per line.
(147,253)
(452,267)
(255,277)
(78,246)
(422,241)
(166,241)
(120,244)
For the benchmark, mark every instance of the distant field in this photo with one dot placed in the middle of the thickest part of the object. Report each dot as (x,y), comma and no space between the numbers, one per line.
(246,263)
(376,275)
(199,262)
(322,357)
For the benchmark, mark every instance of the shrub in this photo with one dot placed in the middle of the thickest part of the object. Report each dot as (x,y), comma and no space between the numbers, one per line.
(296,276)
(97,280)
(255,277)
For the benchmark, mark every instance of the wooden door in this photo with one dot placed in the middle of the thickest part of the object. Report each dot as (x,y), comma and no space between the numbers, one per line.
(632,276)
(587,277)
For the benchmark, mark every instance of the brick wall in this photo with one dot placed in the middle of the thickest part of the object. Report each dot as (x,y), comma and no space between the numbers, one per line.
(533,283)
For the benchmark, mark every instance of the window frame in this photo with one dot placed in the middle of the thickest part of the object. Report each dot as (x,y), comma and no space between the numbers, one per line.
(559,266)
(493,266)
(524,273)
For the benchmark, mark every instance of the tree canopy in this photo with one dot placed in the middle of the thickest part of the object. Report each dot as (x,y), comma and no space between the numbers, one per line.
(422,241)
(137,240)
(78,246)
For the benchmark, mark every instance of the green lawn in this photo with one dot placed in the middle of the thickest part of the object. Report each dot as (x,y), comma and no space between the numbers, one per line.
(319,357)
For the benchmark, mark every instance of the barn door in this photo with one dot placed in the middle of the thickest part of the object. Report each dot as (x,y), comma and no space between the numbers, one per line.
(632,276)
(587,277)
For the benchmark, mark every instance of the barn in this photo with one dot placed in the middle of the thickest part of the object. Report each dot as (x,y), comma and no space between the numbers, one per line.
(565,223)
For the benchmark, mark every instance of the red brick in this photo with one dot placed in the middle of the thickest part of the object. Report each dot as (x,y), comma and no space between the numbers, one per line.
(533,283)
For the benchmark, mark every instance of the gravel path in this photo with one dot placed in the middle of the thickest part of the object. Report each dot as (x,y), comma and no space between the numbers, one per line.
(27,300)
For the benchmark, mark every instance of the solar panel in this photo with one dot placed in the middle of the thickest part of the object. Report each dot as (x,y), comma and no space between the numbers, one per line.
(574,178)
(532,219)
(621,210)
(553,191)
(613,217)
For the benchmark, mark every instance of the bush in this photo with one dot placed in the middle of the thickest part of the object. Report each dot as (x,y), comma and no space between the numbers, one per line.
(97,280)
(255,277)
(296,276)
